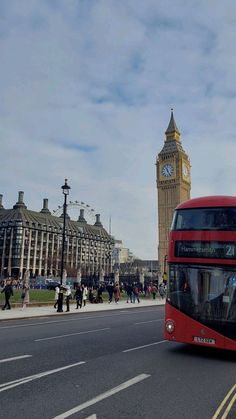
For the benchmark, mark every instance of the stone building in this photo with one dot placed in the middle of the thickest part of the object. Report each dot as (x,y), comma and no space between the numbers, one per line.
(173,184)
(32,241)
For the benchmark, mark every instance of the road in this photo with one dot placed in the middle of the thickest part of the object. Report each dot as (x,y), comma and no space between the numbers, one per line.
(109,365)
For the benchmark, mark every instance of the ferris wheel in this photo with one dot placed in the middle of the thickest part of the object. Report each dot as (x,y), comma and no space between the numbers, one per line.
(73,210)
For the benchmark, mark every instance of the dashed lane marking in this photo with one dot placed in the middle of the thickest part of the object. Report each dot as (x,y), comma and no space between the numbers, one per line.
(24,380)
(103,396)
(150,321)
(72,334)
(14,358)
(145,346)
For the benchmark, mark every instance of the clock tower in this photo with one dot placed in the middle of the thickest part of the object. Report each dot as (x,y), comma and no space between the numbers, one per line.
(173,184)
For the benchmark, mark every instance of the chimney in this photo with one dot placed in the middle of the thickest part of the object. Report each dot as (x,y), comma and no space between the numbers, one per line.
(98,222)
(45,209)
(20,203)
(1,206)
(81,218)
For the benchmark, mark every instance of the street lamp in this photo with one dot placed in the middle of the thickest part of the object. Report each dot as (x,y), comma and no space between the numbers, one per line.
(65,190)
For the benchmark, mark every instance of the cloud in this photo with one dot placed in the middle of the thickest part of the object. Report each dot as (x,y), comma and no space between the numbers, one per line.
(67,144)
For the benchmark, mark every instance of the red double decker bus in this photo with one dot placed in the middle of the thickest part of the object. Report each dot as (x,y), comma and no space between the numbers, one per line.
(201,291)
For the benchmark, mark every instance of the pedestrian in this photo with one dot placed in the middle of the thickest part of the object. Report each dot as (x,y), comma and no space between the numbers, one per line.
(99,294)
(78,296)
(85,294)
(60,299)
(110,290)
(154,291)
(57,289)
(162,290)
(136,292)
(129,291)
(91,296)
(68,296)
(25,294)
(8,291)
(117,293)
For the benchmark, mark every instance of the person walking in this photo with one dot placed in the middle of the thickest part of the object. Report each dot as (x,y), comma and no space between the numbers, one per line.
(68,296)
(117,293)
(154,291)
(110,290)
(162,290)
(136,293)
(25,295)
(60,299)
(57,289)
(129,292)
(99,294)
(85,294)
(8,291)
(78,296)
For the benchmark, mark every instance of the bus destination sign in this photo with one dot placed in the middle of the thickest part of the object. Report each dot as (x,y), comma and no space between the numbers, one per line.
(203,249)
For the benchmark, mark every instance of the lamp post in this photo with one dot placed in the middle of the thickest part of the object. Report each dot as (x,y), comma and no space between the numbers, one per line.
(65,190)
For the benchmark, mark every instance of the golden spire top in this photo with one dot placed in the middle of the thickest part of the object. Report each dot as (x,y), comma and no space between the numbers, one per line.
(172,132)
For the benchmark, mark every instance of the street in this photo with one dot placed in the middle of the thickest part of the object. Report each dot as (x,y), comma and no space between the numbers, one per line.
(108,365)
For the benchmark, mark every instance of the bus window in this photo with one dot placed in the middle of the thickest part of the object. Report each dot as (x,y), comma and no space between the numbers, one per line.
(205,219)
(230,297)
(202,292)
(232,219)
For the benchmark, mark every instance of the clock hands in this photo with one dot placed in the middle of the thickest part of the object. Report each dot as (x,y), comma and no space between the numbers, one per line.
(167,170)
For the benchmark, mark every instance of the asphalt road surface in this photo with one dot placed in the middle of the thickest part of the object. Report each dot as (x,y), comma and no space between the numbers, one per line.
(110,365)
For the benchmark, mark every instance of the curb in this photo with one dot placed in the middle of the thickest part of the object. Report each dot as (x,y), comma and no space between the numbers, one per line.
(53,314)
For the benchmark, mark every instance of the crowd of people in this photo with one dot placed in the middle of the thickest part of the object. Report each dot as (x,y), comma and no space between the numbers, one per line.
(94,295)
(82,293)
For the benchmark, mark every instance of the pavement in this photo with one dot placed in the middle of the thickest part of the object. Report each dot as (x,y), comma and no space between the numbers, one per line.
(45,311)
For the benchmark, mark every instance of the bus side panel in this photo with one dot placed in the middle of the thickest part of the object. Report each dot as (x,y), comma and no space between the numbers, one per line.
(188,330)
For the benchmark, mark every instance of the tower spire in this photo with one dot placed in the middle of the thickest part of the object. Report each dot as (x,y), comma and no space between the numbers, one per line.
(172,132)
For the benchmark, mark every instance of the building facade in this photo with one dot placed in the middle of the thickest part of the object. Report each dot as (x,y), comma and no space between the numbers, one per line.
(32,241)
(121,254)
(173,175)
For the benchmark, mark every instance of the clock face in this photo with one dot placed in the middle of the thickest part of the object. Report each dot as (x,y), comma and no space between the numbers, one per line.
(185,170)
(167,170)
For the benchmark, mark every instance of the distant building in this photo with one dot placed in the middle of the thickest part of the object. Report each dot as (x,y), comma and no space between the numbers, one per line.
(121,254)
(139,270)
(32,241)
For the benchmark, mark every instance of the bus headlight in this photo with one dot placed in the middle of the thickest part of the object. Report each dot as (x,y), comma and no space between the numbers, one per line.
(170,326)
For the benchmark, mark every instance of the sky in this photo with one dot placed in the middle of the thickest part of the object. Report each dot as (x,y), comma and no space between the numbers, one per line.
(86,91)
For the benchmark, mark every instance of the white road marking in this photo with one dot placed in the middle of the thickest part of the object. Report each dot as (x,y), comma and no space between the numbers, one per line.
(103,396)
(92,417)
(72,334)
(24,380)
(150,321)
(145,346)
(14,358)
(75,319)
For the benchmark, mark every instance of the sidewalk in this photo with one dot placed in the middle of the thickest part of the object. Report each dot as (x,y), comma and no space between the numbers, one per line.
(45,311)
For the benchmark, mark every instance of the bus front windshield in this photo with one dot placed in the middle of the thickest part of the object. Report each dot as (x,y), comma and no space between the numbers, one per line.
(205,219)
(202,292)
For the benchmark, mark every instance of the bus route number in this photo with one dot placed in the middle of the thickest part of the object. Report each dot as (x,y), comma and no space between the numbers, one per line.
(230,251)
